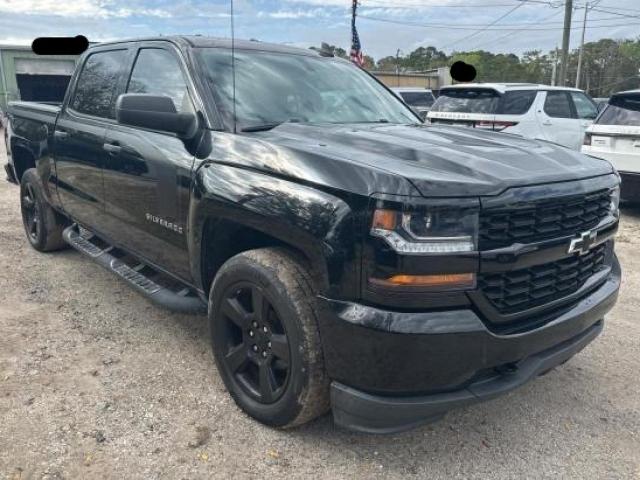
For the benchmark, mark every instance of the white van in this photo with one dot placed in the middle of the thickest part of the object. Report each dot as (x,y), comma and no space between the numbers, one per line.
(615,136)
(557,114)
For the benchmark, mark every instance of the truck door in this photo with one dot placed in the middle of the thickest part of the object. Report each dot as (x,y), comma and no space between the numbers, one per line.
(79,135)
(147,174)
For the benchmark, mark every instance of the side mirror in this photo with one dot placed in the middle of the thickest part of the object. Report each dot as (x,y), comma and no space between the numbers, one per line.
(155,112)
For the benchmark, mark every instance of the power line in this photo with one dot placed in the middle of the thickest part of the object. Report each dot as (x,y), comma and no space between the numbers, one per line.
(508,34)
(626,15)
(471,26)
(422,5)
(467,37)
(494,29)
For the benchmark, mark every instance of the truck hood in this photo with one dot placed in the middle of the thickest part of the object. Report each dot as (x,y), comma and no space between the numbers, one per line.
(442,160)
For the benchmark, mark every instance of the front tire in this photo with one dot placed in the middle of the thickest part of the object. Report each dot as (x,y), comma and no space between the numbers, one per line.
(265,339)
(42,224)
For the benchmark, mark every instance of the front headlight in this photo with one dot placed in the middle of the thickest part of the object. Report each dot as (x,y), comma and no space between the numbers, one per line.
(615,200)
(437,230)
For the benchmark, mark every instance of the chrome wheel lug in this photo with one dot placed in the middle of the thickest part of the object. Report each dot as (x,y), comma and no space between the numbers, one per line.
(254,324)
(264,329)
(251,334)
(269,344)
(255,348)
(264,354)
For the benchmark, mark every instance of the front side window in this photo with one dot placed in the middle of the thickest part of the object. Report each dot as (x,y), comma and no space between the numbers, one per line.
(98,83)
(585,108)
(158,72)
(467,100)
(272,88)
(558,105)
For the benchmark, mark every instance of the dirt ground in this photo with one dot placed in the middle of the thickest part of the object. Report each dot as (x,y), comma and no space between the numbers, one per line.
(96,382)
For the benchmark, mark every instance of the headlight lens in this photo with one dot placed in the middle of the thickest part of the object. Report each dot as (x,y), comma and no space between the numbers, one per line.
(430,231)
(615,200)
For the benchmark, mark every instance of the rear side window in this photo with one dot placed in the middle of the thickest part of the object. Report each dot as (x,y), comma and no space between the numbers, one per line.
(585,108)
(98,83)
(558,105)
(467,100)
(418,99)
(622,110)
(158,72)
(517,102)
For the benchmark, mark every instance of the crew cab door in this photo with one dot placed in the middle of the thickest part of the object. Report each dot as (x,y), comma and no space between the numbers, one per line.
(147,173)
(79,135)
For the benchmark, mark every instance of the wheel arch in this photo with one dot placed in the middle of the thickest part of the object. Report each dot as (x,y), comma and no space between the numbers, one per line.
(233,210)
(23,159)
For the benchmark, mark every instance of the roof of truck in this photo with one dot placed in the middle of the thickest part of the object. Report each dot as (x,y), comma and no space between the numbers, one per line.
(504,87)
(200,41)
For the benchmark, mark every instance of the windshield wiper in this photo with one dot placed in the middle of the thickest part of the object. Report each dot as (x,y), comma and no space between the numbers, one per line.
(261,128)
(268,126)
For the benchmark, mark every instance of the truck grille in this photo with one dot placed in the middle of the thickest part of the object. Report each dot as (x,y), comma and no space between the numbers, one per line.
(518,290)
(543,220)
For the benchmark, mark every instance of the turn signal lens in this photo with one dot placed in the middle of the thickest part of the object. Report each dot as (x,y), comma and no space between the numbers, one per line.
(449,280)
(384,219)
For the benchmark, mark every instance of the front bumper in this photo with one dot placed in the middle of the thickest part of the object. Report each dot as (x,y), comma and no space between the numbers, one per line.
(392,370)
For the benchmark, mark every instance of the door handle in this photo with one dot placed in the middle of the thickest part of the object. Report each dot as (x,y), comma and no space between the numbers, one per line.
(111,148)
(547,122)
(60,134)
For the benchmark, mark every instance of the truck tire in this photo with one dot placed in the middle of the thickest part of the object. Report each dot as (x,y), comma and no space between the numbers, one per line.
(265,338)
(42,224)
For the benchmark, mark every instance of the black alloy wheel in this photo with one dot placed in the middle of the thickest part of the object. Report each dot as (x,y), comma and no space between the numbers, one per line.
(31,213)
(263,320)
(257,347)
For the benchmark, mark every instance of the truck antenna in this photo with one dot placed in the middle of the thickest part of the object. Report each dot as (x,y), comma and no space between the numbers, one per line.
(233,65)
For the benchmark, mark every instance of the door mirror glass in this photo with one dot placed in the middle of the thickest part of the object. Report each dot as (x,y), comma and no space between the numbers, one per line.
(155,112)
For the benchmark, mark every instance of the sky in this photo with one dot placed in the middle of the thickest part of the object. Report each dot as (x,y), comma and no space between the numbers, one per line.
(384,25)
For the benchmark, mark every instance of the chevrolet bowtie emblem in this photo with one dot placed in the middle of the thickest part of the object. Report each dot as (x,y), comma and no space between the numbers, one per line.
(583,243)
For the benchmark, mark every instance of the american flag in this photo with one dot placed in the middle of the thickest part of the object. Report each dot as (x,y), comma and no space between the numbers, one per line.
(356,48)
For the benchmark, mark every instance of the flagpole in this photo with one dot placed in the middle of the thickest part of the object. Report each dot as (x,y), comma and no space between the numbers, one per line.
(356,48)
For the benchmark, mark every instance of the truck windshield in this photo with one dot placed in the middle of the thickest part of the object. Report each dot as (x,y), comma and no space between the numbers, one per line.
(467,100)
(273,88)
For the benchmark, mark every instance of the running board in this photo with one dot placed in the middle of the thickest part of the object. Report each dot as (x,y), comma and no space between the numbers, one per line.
(154,285)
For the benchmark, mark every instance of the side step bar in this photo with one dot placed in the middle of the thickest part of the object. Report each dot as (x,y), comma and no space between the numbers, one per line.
(165,292)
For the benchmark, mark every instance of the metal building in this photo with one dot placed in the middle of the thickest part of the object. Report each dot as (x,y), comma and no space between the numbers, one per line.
(27,76)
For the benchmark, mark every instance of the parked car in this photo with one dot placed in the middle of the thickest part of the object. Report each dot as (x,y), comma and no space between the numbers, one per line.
(347,255)
(601,102)
(556,114)
(418,99)
(615,136)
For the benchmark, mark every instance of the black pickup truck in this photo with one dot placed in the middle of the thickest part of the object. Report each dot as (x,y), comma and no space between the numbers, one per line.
(348,256)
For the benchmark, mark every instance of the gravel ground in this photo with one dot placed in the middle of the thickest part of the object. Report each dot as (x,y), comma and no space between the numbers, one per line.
(96,382)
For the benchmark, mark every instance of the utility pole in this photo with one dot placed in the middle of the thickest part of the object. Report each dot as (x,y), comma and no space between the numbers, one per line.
(398,67)
(584,27)
(568,11)
(554,70)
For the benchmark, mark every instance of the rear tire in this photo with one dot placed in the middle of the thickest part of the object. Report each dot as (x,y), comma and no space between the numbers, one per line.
(265,338)
(42,224)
